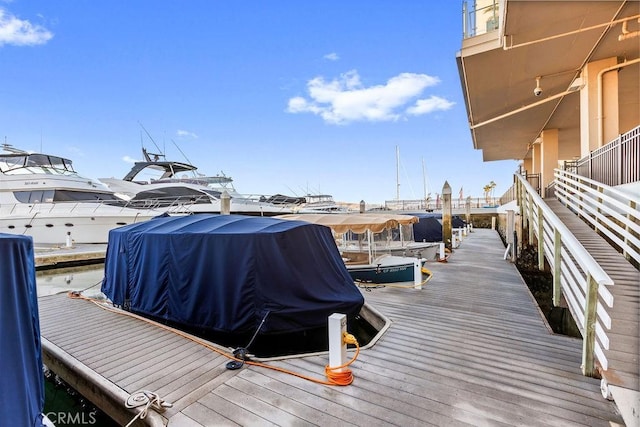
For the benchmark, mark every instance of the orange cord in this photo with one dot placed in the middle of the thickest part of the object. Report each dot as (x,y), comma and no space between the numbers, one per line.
(341,375)
(342,378)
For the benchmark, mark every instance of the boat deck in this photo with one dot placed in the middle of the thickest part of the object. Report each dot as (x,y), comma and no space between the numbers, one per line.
(470,348)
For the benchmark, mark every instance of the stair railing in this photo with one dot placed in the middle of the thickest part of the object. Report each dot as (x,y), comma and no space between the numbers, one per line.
(576,275)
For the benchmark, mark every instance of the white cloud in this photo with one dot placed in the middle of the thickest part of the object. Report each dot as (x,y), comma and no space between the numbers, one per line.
(331,56)
(185,134)
(346,99)
(128,159)
(15,31)
(429,105)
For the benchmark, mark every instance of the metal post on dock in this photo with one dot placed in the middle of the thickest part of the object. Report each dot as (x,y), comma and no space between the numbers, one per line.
(68,242)
(511,226)
(446,215)
(417,274)
(467,210)
(225,203)
(337,346)
(362,206)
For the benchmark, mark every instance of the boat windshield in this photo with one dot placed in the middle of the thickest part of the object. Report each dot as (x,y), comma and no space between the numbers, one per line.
(35,163)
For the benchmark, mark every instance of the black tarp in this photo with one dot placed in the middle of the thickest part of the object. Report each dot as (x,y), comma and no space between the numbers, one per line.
(429,226)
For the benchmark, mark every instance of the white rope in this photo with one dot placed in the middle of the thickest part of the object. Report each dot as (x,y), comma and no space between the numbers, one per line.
(148,399)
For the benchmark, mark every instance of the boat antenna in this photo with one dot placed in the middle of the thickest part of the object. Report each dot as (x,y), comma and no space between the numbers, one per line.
(150,137)
(290,189)
(181,152)
(427,189)
(397,173)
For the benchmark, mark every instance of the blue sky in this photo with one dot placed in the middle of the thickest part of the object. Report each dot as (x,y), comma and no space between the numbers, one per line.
(287,96)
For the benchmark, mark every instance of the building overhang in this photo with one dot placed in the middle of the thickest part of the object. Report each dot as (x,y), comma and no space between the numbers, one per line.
(546,41)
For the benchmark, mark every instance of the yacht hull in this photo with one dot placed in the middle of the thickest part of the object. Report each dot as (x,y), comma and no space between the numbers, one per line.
(52,225)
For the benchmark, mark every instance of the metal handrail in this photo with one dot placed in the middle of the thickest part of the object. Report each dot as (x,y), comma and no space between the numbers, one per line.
(615,163)
(576,274)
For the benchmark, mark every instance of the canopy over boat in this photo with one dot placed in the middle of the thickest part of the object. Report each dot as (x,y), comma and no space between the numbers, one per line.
(22,381)
(226,273)
(356,222)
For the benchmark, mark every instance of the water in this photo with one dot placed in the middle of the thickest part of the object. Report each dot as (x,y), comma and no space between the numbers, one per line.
(64,406)
(87,278)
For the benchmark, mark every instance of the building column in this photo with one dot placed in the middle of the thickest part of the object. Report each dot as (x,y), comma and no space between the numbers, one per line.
(548,157)
(536,159)
(594,99)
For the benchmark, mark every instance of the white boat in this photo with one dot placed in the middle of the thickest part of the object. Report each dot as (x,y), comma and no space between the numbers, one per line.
(320,203)
(42,196)
(157,182)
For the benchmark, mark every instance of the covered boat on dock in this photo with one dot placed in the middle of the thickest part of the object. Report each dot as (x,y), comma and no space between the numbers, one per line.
(231,277)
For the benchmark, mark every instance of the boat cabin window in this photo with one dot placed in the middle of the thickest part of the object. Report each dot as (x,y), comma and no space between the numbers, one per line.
(82,196)
(170,195)
(38,196)
(49,196)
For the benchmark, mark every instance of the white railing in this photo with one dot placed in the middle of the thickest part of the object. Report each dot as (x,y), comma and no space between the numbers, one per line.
(576,275)
(436,205)
(612,213)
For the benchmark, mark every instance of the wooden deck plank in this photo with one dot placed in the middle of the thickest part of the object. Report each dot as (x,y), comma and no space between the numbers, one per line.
(189,370)
(624,367)
(190,392)
(201,415)
(142,362)
(471,348)
(233,410)
(530,394)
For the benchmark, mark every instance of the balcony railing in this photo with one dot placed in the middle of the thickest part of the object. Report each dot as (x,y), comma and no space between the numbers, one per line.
(479,17)
(613,164)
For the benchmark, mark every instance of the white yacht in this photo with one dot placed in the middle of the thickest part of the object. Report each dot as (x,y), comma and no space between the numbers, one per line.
(177,187)
(320,203)
(42,196)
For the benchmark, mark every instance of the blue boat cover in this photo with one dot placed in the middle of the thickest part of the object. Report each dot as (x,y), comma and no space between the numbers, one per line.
(223,273)
(22,380)
(429,226)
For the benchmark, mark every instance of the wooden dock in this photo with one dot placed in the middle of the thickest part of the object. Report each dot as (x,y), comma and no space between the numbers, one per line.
(50,256)
(471,348)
